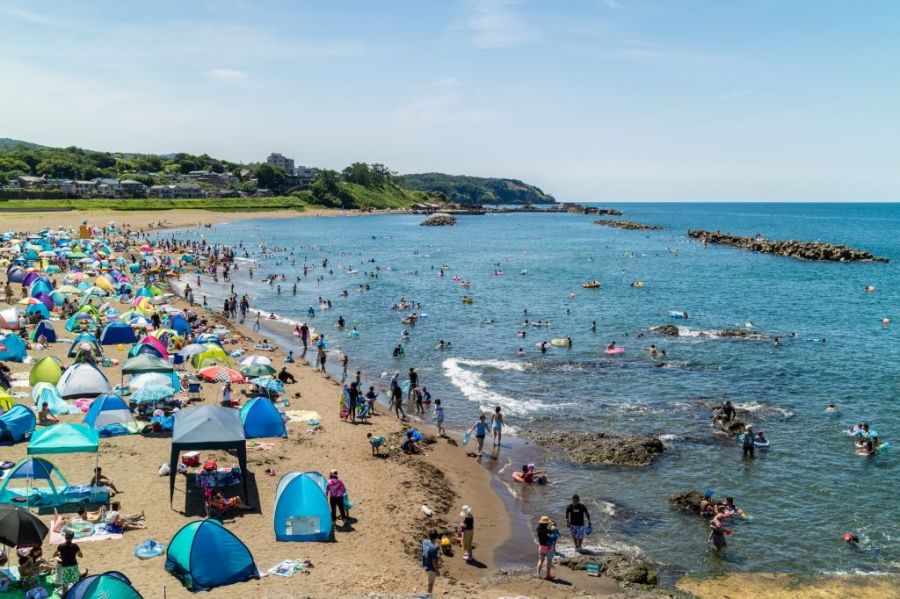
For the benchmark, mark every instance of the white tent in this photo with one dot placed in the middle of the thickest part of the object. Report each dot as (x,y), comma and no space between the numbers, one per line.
(82,380)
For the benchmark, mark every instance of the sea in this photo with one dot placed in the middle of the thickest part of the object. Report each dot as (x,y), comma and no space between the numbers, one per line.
(801,495)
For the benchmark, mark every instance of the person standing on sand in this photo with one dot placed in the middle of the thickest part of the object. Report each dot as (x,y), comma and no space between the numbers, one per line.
(320,358)
(430,559)
(304,335)
(335,490)
(545,547)
(397,400)
(256,323)
(497,426)
(576,512)
(413,382)
(468,532)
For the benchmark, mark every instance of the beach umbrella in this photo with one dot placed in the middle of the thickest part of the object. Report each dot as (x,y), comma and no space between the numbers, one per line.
(67,289)
(29,301)
(257,370)
(20,527)
(256,360)
(221,374)
(150,379)
(192,349)
(152,394)
(269,384)
(140,321)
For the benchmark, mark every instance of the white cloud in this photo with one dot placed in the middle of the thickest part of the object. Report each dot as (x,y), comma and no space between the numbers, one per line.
(32,17)
(232,76)
(496,24)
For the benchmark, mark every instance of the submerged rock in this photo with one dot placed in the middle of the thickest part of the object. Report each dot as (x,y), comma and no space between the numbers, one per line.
(604,448)
(667,329)
(625,224)
(728,427)
(438,219)
(802,250)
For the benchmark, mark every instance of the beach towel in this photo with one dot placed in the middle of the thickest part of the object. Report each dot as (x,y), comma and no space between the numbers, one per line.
(288,567)
(99,534)
(302,415)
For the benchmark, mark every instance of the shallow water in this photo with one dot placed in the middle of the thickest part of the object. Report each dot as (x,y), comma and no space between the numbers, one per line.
(803,493)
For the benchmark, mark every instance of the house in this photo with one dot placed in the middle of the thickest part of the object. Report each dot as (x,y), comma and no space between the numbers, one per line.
(29,181)
(188,190)
(60,183)
(217,179)
(133,188)
(81,188)
(162,191)
(108,188)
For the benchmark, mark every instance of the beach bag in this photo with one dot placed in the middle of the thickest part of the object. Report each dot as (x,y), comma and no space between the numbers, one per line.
(164,470)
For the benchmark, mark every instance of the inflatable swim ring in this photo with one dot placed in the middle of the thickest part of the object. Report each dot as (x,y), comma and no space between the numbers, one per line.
(467,299)
(591,285)
(615,351)
(676,314)
(559,342)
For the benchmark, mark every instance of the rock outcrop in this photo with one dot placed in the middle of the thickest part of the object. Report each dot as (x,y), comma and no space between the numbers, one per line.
(802,250)
(625,224)
(619,566)
(603,448)
(686,501)
(667,329)
(439,219)
(671,330)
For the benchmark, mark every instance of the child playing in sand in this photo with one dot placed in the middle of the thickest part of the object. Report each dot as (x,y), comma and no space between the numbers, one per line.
(376,443)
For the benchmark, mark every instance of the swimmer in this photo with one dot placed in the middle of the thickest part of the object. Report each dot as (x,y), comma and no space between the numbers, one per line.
(520,352)
(611,346)
(652,350)
(831,409)
(593,326)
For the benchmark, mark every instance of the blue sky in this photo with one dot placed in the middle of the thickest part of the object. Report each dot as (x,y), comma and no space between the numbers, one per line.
(592,100)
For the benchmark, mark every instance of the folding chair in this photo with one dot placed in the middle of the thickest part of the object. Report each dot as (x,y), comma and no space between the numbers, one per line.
(193,391)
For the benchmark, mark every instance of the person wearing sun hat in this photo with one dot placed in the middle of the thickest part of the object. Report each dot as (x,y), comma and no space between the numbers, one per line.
(335,490)
(468,532)
(545,547)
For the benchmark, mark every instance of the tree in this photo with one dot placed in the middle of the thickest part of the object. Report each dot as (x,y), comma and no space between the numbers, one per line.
(269,176)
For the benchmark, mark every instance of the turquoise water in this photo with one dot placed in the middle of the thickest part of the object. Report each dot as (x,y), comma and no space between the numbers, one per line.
(803,493)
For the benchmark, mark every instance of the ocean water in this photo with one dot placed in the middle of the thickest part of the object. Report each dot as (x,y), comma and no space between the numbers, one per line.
(803,493)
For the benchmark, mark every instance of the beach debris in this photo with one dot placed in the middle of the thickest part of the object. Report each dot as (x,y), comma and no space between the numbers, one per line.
(595,448)
(802,250)
(426,510)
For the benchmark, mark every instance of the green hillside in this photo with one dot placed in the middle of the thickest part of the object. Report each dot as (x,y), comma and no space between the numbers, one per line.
(477,190)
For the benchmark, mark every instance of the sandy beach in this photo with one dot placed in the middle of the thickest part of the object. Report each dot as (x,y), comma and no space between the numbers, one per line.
(378,553)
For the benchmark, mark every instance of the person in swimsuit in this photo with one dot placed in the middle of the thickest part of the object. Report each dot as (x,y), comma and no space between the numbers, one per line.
(717,532)
(748,442)
(497,425)
(480,429)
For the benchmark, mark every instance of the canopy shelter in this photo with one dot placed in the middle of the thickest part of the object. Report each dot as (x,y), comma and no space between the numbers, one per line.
(208,427)
(147,363)
(64,438)
(46,488)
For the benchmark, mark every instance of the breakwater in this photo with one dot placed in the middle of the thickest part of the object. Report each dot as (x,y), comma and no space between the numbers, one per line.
(802,250)
(625,224)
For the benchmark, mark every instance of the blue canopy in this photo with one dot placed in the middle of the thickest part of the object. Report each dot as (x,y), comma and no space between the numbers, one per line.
(301,508)
(204,555)
(117,332)
(45,328)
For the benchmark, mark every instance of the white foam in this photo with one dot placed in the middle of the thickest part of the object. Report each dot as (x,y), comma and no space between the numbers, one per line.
(755,406)
(474,388)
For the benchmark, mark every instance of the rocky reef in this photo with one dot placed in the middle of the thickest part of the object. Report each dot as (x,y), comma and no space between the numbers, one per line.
(686,501)
(671,330)
(603,448)
(625,224)
(438,219)
(802,250)
(618,566)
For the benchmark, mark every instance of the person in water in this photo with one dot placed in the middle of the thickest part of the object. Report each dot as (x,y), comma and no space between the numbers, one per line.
(748,441)
(717,532)
(530,476)
(728,411)
(497,426)
(576,513)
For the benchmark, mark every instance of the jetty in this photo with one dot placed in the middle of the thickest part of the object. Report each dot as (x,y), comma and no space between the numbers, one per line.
(626,224)
(802,250)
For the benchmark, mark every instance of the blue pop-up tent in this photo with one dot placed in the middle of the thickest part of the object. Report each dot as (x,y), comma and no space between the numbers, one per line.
(12,349)
(262,419)
(117,332)
(301,508)
(204,555)
(109,585)
(45,328)
(16,424)
(110,415)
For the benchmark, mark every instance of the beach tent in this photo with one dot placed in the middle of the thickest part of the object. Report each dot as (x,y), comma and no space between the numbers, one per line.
(6,400)
(47,392)
(208,427)
(146,363)
(117,332)
(213,354)
(39,285)
(46,370)
(15,274)
(12,349)
(76,347)
(64,438)
(181,326)
(110,415)
(262,419)
(45,328)
(204,555)
(82,380)
(32,470)
(38,308)
(149,345)
(109,585)
(82,318)
(301,508)
(16,424)
(9,319)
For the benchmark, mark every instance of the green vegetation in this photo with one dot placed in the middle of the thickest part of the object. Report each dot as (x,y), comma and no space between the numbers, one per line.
(359,186)
(477,190)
